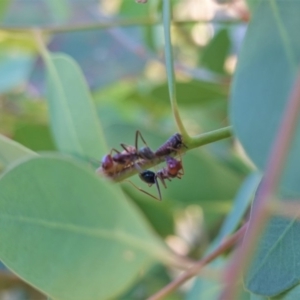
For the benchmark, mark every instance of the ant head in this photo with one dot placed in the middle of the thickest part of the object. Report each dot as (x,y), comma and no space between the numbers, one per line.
(107,162)
(148,176)
(174,166)
(146,153)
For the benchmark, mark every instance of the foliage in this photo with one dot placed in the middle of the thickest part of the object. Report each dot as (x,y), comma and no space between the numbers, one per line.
(71,91)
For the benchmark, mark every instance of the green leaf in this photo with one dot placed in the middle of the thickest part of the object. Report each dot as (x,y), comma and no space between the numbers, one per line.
(252,4)
(33,135)
(168,50)
(274,268)
(215,53)
(153,212)
(291,294)
(10,151)
(265,75)
(4,4)
(192,92)
(74,121)
(70,234)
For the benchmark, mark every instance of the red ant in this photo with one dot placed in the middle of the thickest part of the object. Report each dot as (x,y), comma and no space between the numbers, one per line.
(131,154)
(173,144)
(172,170)
(109,166)
(112,164)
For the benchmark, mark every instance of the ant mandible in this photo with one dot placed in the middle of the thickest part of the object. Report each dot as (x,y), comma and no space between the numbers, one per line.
(174,169)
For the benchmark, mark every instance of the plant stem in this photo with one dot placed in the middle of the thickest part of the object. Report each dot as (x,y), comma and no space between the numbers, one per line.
(209,137)
(265,195)
(170,69)
(113,23)
(197,267)
(194,142)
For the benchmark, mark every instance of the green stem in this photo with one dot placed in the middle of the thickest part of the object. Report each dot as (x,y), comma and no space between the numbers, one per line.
(197,141)
(170,69)
(113,23)
(209,137)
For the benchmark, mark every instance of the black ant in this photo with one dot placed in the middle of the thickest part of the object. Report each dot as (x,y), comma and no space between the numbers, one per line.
(174,169)
(173,144)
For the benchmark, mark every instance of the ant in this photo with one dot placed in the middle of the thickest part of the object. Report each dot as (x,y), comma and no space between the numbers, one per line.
(112,164)
(109,166)
(173,144)
(174,169)
(131,154)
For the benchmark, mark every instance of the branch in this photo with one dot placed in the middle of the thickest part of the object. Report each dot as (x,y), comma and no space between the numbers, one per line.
(112,23)
(170,69)
(194,142)
(194,270)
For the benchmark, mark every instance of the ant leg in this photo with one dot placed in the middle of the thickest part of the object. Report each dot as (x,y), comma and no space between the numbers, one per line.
(141,190)
(158,188)
(125,147)
(163,180)
(137,135)
(114,150)
(180,157)
(145,152)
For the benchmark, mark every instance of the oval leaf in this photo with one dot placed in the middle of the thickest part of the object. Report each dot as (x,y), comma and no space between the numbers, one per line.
(74,121)
(274,268)
(10,151)
(70,234)
(265,76)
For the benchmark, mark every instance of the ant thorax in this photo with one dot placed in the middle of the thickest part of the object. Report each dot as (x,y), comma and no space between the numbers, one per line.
(146,153)
(129,149)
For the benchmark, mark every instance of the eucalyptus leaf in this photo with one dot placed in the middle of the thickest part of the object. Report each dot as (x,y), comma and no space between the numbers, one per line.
(265,77)
(191,92)
(216,52)
(74,121)
(10,151)
(4,4)
(70,234)
(274,267)
(267,67)
(291,294)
